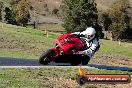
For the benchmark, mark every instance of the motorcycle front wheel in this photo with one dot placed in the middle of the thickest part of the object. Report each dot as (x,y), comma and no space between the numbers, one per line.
(46,57)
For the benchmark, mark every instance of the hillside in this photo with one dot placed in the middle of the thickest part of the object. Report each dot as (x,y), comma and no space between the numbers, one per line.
(46,7)
(43,10)
(104,5)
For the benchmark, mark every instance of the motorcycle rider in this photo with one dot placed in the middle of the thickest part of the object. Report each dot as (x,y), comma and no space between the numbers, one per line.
(90,37)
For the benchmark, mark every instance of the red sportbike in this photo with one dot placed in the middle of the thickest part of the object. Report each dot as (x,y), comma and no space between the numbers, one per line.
(65,51)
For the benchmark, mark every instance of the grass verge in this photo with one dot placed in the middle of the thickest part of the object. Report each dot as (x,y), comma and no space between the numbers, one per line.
(45,77)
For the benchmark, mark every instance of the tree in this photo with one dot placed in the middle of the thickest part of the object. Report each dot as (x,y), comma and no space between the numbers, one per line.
(79,14)
(106,21)
(11,13)
(1,8)
(119,14)
(23,15)
(9,16)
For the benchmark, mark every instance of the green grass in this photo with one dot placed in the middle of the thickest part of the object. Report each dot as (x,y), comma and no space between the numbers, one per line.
(112,47)
(7,53)
(14,78)
(39,78)
(24,42)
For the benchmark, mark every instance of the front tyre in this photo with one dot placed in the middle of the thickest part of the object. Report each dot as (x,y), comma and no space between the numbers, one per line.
(46,57)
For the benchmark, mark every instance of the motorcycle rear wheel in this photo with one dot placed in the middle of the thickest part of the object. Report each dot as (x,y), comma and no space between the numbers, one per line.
(46,57)
(74,63)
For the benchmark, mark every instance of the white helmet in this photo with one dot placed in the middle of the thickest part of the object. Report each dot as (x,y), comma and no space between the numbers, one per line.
(89,33)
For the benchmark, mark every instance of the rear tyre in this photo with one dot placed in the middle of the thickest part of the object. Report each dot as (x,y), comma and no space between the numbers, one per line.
(75,60)
(85,60)
(46,57)
(74,63)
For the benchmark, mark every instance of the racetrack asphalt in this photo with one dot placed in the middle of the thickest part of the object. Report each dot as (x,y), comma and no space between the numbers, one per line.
(7,62)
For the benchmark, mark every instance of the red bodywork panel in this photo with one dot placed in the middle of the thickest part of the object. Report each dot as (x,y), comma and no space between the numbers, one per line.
(68,41)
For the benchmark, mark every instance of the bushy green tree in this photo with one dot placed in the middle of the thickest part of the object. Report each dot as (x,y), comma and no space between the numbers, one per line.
(1,8)
(17,13)
(9,17)
(13,7)
(79,14)
(105,20)
(120,16)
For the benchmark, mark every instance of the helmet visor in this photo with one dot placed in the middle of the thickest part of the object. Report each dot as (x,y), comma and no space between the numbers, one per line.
(89,36)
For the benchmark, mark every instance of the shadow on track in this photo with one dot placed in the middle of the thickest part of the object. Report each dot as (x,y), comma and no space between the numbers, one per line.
(7,61)
(110,67)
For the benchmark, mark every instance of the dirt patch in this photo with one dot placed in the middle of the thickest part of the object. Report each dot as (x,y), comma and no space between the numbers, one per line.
(59,82)
(112,60)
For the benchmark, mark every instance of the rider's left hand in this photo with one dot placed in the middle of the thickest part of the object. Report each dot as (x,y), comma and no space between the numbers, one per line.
(80,52)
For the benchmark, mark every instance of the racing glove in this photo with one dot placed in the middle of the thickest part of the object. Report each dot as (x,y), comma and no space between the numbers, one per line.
(81,52)
(86,52)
